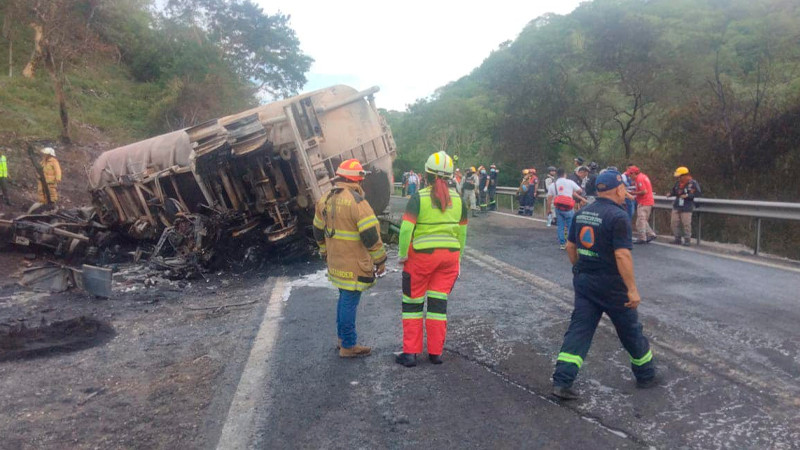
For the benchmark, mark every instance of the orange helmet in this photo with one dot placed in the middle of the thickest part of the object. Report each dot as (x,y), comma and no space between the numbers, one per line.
(351,170)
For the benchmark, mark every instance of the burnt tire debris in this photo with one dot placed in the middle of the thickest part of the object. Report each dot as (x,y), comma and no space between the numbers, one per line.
(246,181)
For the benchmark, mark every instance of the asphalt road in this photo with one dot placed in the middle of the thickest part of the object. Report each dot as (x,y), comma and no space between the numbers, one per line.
(724,333)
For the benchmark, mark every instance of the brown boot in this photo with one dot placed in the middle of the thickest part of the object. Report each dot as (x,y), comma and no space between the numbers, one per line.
(354,351)
(338,343)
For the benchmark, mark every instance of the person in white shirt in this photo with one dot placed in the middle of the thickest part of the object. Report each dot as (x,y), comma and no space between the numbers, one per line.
(413,182)
(563,193)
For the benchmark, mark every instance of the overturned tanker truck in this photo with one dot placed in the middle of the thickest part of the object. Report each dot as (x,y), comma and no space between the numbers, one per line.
(257,174)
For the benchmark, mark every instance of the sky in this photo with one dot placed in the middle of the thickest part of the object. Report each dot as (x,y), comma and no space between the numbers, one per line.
(408,49)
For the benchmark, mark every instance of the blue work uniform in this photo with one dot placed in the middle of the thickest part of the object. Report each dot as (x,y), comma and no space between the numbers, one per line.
(483,201)
(492,190)
(597,230)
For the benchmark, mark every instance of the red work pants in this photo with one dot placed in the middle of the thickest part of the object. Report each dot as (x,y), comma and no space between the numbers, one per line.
(430,275)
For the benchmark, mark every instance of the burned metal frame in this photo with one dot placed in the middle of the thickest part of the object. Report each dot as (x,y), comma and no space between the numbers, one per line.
(261,170)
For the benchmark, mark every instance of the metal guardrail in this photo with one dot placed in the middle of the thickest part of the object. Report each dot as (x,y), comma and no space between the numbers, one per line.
(741,208)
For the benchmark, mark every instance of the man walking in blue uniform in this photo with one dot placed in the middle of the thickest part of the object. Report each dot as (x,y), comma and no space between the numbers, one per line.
(599,249)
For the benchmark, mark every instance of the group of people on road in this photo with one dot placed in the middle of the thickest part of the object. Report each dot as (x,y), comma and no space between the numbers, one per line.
(477,188)
(566,195)
(48,179)
(432,240)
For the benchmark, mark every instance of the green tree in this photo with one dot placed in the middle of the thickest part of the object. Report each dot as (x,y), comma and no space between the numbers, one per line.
(259,47)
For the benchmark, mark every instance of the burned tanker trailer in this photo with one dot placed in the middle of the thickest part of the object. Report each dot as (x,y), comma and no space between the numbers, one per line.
(256,173)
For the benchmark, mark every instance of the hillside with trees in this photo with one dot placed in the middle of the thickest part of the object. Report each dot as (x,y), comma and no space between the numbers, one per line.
(710,84)
(123,68)
(88,75)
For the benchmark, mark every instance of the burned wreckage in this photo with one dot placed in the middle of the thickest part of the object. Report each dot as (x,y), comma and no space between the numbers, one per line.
(257,174)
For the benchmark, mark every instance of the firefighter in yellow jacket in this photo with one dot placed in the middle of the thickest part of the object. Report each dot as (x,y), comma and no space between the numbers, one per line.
(349,238)
(52,175)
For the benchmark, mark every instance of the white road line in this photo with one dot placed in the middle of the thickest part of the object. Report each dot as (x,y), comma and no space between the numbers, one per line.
(248,400)
(517,216)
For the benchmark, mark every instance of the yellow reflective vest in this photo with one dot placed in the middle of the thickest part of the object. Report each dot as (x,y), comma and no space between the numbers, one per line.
(425,227)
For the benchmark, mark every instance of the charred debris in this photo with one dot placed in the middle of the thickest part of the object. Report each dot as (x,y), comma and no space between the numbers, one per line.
(232,190)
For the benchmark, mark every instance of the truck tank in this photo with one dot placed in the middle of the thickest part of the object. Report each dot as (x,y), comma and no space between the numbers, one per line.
(258,171)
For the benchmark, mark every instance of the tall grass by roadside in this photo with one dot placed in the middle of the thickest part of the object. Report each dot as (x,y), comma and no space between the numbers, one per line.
(101,97)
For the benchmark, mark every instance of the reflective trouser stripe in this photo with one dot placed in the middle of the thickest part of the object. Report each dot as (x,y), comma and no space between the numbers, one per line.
(643,360)
(437,308)
(407,299)
(569,358)
(412,315)
(436,294)
(413,307)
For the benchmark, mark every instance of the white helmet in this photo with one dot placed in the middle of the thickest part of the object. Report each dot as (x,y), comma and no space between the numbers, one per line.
(49,151)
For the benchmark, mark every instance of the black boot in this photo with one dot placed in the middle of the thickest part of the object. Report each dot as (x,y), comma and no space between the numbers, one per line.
(406,359)
(647,384)
(435,359)
(564,393)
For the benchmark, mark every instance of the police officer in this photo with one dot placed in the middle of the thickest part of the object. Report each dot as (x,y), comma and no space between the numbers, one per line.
(600,250)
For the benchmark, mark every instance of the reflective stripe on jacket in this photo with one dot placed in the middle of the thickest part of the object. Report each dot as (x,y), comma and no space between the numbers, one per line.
(426,227)
(348,233)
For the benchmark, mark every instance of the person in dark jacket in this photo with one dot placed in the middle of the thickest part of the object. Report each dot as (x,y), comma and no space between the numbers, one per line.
(492,191)
(599,249)
(685,190)
(580,177)
(483,189)
(591,179)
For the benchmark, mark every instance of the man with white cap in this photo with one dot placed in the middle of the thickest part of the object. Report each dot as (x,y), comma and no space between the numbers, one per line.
(52,176)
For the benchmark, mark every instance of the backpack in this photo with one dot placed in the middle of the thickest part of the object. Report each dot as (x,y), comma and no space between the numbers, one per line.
(562,202)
